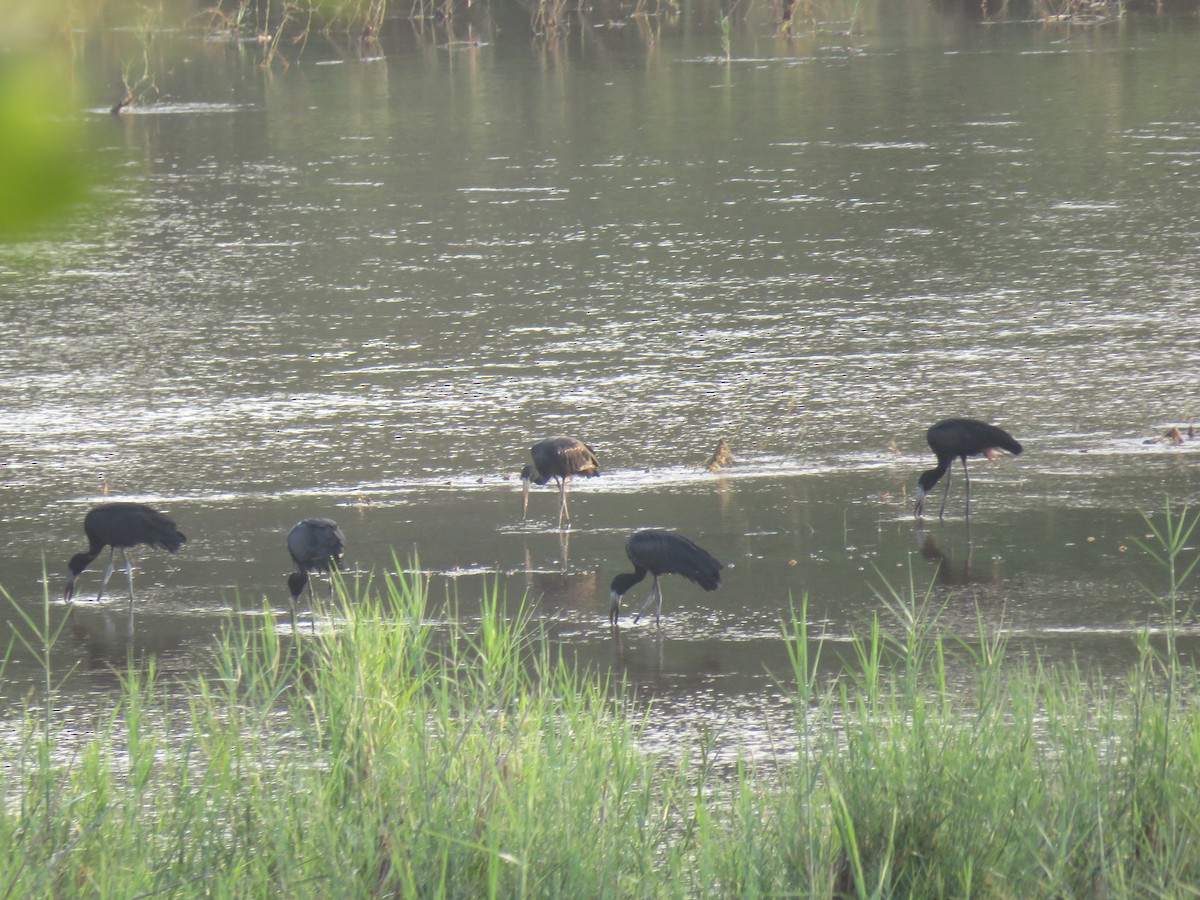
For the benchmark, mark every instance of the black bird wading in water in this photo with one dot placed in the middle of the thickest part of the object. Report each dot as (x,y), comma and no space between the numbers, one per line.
(124,526)
(316,545)
(960,438)
(558,458)
(662,553)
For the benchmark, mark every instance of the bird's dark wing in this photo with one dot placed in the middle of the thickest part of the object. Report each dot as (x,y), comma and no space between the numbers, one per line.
(1005,441)
(130,524)
(316,543)
(581,460)
(969,437)
(563,456)
(665,552)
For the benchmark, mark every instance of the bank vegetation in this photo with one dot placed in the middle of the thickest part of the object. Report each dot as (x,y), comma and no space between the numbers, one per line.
(399,755)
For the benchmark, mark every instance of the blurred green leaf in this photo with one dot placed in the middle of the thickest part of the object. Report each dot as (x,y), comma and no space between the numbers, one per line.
(40,145)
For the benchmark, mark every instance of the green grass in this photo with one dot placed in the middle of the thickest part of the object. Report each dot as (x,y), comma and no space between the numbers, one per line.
(396,757)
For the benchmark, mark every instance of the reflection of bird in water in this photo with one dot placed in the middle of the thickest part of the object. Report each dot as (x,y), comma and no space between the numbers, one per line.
(564,551)
(948,571)
(559,458)
(316,545)
(960,438)
(105,648)
(662,553)
(124,526)
(646,662)
(722,457)
(560,590)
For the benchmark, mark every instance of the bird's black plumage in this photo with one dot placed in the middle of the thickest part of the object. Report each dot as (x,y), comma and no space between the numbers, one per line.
(662,553)
(315,545)
(559,458)
(953,439)
(124,526)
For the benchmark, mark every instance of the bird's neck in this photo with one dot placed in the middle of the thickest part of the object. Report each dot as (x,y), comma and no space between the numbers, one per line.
(627,580)
(930,477)
(81,561)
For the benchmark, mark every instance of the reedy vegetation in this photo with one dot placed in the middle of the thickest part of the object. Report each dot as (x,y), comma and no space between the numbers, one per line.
(398,756)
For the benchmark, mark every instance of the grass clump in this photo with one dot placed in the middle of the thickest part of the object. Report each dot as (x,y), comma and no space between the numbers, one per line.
(396,756)
(387,758)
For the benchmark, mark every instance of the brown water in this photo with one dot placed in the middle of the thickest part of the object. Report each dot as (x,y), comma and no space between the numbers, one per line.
(362,288)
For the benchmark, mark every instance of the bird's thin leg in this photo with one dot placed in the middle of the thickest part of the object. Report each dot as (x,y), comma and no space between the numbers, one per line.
(562,502)
(112,551)
(650,598)
(967,475)
(658,606)
(129,575)
(945,494)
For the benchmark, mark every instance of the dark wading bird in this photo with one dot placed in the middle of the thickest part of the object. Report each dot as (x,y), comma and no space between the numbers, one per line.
(316,545)
(662,553)
(960,438)
(558,458)
(123,526)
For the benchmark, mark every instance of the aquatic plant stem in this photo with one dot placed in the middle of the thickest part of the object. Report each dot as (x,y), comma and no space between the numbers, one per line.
(1171,540)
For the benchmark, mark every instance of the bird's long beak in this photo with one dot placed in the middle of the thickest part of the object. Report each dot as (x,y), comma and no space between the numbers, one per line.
(69,590)
(917,510)
(615,610)
(525,505)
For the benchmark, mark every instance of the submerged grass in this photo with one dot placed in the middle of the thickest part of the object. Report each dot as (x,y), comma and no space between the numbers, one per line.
(393,757)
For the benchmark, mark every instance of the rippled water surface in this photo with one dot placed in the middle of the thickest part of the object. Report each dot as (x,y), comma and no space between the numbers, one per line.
(362,287)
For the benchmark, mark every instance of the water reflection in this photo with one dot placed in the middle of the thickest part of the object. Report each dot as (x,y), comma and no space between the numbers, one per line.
(561,593)
(949,570)
(106,639)
(643,654)
(564,554)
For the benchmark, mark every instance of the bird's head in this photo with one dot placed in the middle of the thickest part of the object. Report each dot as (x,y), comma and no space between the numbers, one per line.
(532,473)
(924,483)
(78,563)
(623,583)
(528,474)
(614,599)
(614,608)
(296,582)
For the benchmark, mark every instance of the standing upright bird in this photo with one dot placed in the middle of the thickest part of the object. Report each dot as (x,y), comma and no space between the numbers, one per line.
(124,526)
(558,458)
(960,438)
(316,545)
(662,553)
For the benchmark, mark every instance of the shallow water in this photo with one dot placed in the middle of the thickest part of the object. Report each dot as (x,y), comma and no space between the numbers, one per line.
(364,286)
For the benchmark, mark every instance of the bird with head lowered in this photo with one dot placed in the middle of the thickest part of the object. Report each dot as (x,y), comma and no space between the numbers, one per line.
(952,439)
(315,545)
(662,553)
(123,526)
(559,458)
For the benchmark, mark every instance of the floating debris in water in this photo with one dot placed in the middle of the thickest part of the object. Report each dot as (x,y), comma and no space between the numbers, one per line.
(1173,435)
(721,458)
